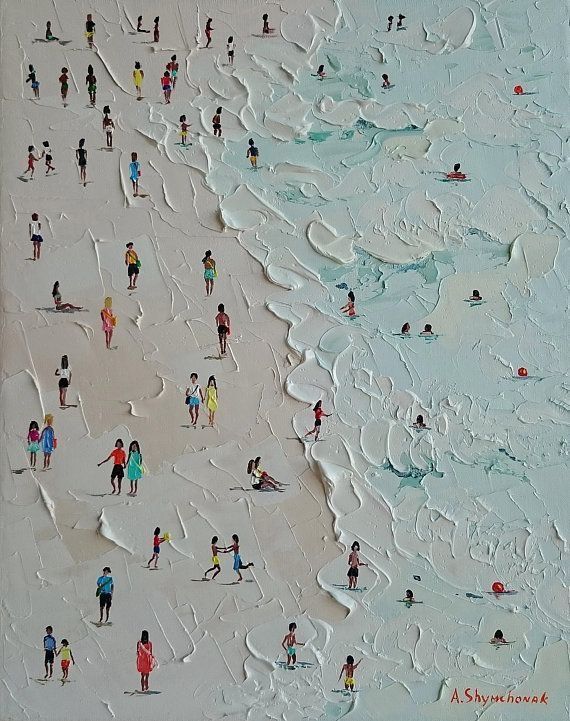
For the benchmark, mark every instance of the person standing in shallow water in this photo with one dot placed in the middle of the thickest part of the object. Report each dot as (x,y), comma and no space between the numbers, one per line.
(209,271)
(109,321)
(145,660)
(217,123)
(252,153)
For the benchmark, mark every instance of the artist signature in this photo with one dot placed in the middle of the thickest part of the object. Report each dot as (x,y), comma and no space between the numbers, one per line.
(469,695)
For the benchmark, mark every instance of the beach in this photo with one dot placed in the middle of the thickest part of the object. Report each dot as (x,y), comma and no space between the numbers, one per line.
(352,192)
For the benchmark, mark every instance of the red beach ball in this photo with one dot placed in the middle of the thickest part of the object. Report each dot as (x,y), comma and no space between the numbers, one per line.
(518,90)
(498,587)
(523,373)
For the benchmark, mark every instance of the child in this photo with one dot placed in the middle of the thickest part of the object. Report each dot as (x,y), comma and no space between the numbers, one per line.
(156,541)
(456,174)
(183,129)
(427,330)
(31,160)
(138,77)
(193,396)
(49,649)
(135,467)
(215,560)
(223,323)
(210,271)
(48,156)
(354,562)
(89,31)
(33,444)
(475,296)
(119,463)
(66,658)
(108,126)
(64,82)
(419,422)
(319,413)
(498,637)
(166,86)
(135,173)
(47,440)
(208,31)
(288,644)
(349,308)
(217,123)
(35,228)
(156,31)
(321,72)
(385,81)
(32,79)
(230,47)
(211,400)
(172,68)
(348,669)
(252,154)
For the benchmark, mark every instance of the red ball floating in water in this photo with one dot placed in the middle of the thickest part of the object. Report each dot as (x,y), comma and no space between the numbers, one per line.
(498,587)
(523,373)
(518,90)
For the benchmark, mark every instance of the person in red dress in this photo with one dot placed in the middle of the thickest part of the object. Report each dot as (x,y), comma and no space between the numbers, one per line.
(146,662)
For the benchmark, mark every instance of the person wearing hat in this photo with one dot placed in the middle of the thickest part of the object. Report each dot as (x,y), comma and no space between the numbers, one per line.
(105,588)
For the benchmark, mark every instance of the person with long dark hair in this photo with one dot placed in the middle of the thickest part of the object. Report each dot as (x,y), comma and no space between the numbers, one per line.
(319,413)
(134,466)
(64,373)
(146,661)
(56,295)
(209,271)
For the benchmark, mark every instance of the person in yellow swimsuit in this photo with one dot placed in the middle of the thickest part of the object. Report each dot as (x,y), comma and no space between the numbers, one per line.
(348,670)
(211,399)
(215,560)
(138,77)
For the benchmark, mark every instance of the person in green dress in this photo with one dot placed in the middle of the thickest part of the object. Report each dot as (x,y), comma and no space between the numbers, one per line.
(134,466)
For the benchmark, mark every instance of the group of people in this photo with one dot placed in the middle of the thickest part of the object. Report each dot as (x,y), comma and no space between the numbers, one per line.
(196,395)
(428,329)
(133,463)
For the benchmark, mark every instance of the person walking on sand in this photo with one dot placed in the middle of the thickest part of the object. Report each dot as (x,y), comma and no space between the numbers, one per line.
(90,31)
(56,295)
(208,31)
(354,564)
(49,651)
(183,129)
(289,645)
(91,82)
(230,49)
(64,373)
(138,77)
(34,82)
(47,440)
(210,272)
(349,308)
(217,123)
(33,443)
(348,670)
(156,542)
(215,560)
(64,85)
(193,396)
(31,163)
(46,153)
(119,463)
(109,321)
(173,68)
(108,126)
(211,400)
(156,30)
(134,467)
(133,265)
(135,173)
(146,661)
(105,590)
(252,153)
(35,230)
(64,652)
(223,324)
(81,157)
(238,565)
(166,86)
(319,413)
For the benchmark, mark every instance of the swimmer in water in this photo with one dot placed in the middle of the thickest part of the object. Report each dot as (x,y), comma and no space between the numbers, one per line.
(385,81)
(321,72)
(456,174)
(475,296)
(348,670)
(349,308)
(419,422)
(405,329)
(409,597)
(427,330)
(498,637)
(289,644)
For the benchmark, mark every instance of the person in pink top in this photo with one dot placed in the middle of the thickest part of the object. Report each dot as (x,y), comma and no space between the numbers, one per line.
(33,443)
(319,413)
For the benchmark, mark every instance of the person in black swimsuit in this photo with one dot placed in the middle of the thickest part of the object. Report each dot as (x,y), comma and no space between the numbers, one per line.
(217,123)
(81,155)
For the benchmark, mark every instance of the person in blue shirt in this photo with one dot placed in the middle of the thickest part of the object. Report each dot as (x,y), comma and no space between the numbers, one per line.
(135,173)
(105,588)
(49,651)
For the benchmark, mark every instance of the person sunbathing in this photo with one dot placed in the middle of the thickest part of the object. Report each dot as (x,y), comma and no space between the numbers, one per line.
(456,174)
(260,479)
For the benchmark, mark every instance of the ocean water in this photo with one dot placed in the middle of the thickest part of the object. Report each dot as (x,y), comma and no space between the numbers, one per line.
(348,196)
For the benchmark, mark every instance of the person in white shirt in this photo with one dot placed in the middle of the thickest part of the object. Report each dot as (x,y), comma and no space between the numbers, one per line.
(230,47)
(35,228)
(64,374)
